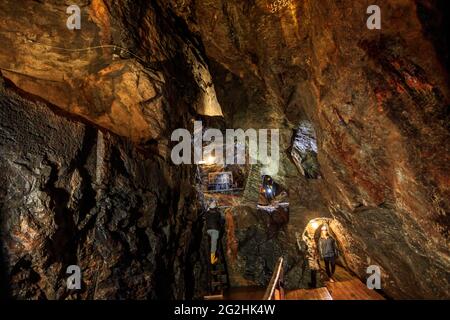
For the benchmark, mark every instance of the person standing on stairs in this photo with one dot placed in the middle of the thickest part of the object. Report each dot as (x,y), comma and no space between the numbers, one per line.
(213,218)
(328,251)
(270,192)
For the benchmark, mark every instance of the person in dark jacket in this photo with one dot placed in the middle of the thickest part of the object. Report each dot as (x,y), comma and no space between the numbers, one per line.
(213,218)
(270,192)
(328,251)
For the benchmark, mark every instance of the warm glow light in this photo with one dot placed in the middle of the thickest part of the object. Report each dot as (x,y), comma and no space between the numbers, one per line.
(210,160)
(314,225)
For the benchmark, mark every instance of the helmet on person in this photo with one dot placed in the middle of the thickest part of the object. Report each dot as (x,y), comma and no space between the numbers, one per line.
(267,180)
(213,204)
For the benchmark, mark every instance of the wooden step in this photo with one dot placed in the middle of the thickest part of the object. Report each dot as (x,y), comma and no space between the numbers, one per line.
(218,268)
(218,272)
(214,297)
(352,290)
(309,294)
(221,276)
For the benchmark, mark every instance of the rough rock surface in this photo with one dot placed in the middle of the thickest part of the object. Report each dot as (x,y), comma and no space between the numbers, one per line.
(126,69)
(72,194)
(253,249)
(379,102)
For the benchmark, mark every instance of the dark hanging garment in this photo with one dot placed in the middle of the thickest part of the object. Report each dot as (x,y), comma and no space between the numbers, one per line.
(213,219)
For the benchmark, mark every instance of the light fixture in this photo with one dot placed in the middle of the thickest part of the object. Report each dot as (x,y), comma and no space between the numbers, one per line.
(210,160)
(314,225)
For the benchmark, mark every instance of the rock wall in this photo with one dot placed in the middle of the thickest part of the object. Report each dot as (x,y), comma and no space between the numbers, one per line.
(254,240)
(75,193)
(379,102)
(72,194)
(130,67)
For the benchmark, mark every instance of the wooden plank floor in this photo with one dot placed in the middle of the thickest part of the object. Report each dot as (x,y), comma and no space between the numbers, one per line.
(309,294)
(245,293)
(340,274)
(352,290)
(345,287)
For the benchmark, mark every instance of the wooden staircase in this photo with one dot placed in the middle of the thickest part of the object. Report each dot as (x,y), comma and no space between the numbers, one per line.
(218,276)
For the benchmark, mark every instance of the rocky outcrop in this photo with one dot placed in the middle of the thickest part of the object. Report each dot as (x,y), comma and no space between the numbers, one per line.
(72,191)
(72,194)
(378,100)
(126,69)
(254,240)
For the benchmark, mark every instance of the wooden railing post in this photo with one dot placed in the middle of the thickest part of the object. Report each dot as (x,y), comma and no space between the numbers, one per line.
(275,289)
(281,284)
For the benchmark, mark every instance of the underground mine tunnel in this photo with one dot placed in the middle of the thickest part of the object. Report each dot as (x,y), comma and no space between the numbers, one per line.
(224,149)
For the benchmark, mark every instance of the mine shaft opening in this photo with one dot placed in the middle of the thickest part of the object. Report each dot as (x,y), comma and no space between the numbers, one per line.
(312,242)
(232,193)
(220,184)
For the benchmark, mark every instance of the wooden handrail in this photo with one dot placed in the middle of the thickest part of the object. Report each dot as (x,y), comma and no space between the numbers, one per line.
(276,283)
